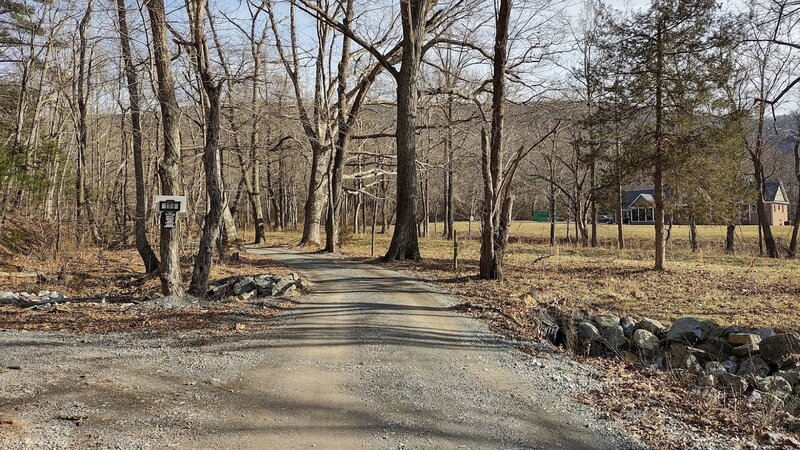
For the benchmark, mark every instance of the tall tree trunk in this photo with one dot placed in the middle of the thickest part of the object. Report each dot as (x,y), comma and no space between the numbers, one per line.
(619,219)
(497,204)
(82,202)
(658,172)
(213,175)
(426,205)
(756,154)
(342,139)
(761,207)
(693,234)
(730,234)
(317,197)
(404,244)
(449,173)
(230,234)
(140,221)
(171,283)
(384,202)
(593,202)
(487,217)
(255,181)
(497,199)
(551,198)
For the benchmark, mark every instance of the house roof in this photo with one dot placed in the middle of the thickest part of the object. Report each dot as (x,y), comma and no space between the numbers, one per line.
(771,190)
(643,199)
(628,197)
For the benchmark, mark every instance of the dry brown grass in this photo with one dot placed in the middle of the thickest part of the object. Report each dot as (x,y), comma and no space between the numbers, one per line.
(745,290)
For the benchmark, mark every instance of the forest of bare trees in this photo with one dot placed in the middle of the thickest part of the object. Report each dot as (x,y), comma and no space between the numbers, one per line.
(339,117)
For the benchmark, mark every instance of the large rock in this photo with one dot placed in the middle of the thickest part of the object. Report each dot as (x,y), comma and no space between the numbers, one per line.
(715,368)
(650,325)
(614,337)
(731,364)
(249,295)
(744,338)
(263,284)
(679,356)
(764,332)
(734,329)
(792,376)
(685,329)
(218,291)
(774,385)
(8,297)
(587,332)
(711,329)
(645,340)
(243,285)
(628,326)
(735,383)
(781,349)
(744,351)
(717,348)
(606,321)
(284,287)
(753,367)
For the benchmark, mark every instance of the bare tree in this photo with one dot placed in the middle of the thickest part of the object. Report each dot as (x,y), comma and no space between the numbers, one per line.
(771,64)
(171,283)
(314,123)
(498,175)
(140,230)
(83,206)
(211,155)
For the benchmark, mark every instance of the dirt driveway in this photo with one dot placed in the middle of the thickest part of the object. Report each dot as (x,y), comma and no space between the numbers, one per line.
(371,359)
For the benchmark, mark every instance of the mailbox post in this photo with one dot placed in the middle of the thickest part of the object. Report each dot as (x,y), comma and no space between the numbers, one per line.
(169,206)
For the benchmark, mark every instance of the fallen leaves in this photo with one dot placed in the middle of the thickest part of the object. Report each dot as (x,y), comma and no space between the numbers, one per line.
(83,318)
(115,277)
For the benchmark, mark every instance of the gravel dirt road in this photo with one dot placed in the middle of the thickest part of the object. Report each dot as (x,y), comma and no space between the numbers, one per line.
(370,359)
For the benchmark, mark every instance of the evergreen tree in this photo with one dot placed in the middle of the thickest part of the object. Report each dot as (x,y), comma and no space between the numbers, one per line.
(669,61)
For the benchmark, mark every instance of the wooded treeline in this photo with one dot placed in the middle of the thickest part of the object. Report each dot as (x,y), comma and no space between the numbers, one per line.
(333,117)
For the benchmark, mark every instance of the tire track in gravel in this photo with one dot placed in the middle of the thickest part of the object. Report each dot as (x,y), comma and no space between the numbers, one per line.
(373,359)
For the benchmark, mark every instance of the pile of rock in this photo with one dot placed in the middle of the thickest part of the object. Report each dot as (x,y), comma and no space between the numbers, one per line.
(26,299)
(266,285)
(741,360)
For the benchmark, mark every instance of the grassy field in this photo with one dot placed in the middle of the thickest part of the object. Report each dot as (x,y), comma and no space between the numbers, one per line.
(711,237)
(743,289)
(606,231)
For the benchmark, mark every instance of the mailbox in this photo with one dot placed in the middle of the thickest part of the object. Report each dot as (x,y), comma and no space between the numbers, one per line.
(169,206)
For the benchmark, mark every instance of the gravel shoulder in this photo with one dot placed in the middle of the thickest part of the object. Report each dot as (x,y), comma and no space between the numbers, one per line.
(370,359)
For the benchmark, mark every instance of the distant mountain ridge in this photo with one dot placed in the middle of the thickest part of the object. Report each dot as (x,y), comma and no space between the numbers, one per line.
(782,131)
